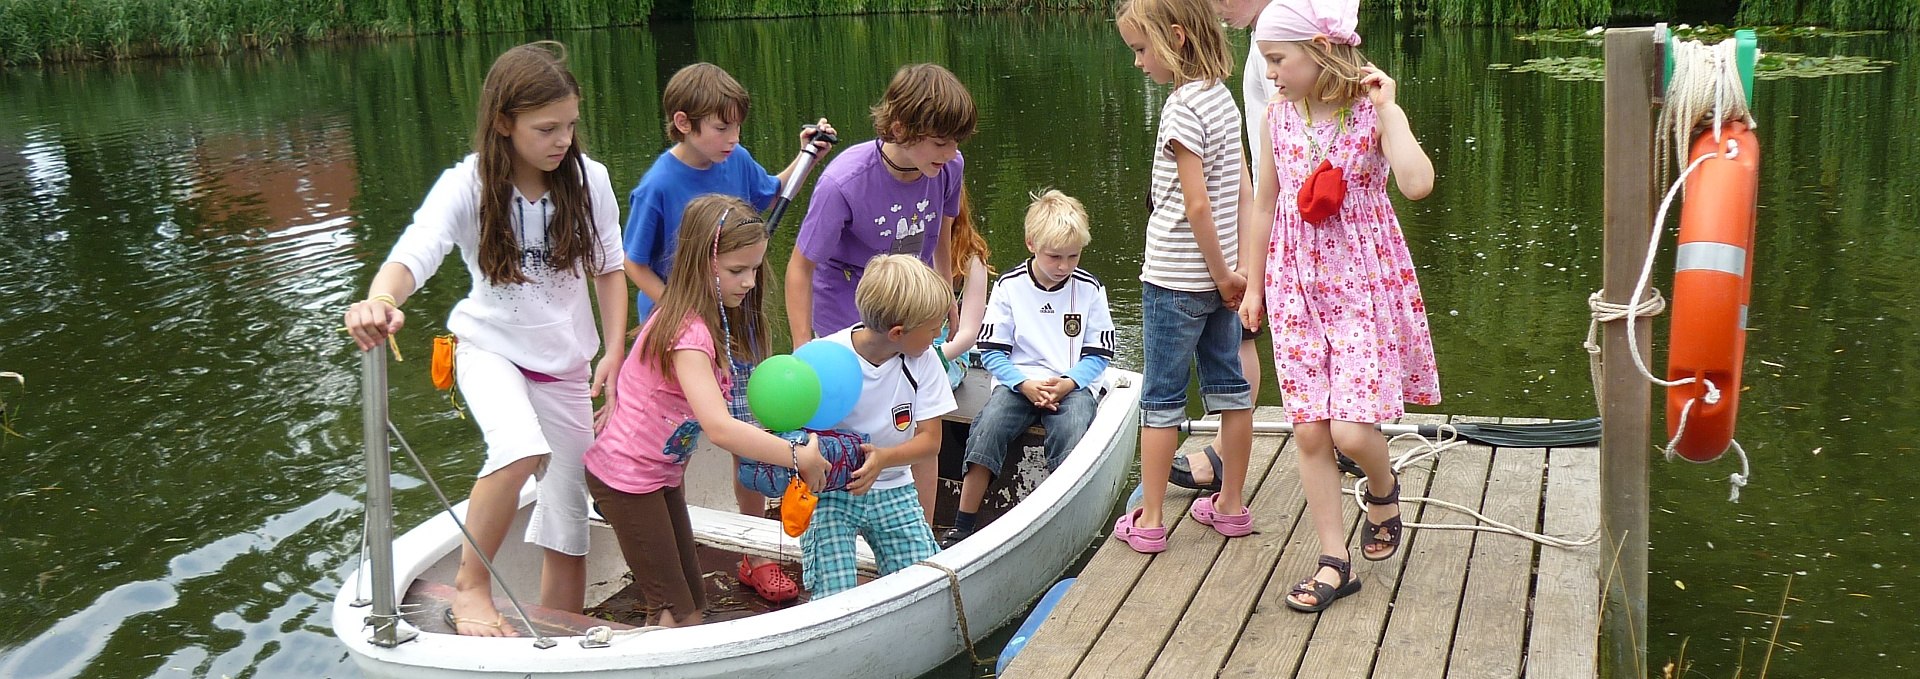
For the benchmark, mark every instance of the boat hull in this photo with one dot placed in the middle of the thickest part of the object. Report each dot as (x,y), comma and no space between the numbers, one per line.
(901,625)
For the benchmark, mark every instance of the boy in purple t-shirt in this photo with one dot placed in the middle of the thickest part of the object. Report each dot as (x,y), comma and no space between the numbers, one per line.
(897,194)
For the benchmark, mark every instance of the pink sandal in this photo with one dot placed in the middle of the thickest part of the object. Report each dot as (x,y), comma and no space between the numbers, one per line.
(1230,525)
(1142,540)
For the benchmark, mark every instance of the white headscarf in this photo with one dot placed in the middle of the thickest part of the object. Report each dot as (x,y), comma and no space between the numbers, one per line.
(1301,20)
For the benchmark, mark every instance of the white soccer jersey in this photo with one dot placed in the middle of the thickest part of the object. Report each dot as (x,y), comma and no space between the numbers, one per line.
(1047,331)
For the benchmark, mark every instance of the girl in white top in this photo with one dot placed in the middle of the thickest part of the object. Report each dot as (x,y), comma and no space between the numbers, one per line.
(534,220)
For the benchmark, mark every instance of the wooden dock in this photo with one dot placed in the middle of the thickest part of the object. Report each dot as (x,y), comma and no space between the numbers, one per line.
(1451,603)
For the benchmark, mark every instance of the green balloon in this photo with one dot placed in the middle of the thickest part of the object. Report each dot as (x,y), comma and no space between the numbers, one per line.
(783,393)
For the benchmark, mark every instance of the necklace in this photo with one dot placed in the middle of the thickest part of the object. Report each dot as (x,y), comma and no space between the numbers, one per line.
(882,149)
(1313,137)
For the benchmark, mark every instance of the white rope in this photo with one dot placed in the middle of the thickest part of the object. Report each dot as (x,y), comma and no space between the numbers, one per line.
(1429,449)
(1705,91)
(1699,72)
(1602,311)
(601,636)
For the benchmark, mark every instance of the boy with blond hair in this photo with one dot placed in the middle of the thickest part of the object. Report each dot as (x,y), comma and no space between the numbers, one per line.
(1047,339)
(705,107)
(902,304)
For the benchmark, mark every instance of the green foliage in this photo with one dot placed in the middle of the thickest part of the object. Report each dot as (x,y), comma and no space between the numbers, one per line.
(1850,14)
(35,31)
(1903,15)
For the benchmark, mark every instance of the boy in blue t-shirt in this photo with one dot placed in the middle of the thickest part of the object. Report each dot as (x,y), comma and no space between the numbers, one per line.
(705,108)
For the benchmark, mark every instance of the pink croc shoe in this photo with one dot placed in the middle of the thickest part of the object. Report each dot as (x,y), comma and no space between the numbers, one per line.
(1230,525)
(1142,540)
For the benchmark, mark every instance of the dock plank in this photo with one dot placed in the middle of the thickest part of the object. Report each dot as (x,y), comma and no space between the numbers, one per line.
(1565,643)
(1141,627)
(1344,645)
(1204,635)
(1419,635)
(1077,622)
(1492,628)
(1452,603)
(1276,637)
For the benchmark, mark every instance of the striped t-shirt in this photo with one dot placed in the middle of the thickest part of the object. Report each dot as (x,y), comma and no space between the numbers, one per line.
(1203,117)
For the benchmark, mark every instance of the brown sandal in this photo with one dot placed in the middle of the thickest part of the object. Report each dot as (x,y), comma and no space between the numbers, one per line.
(1324,594)
(1392,526)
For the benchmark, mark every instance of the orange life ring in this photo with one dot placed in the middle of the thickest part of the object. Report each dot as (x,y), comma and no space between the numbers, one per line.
(1712,284)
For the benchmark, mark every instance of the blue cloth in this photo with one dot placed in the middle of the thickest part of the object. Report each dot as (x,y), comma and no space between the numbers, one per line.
(657,202)
(1007,415)
(842,450)
(892,521)
(1083,373)
(1089,368)
(1178,330)
(1000,363)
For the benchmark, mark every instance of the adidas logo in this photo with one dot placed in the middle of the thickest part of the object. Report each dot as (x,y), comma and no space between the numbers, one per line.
(1046,308)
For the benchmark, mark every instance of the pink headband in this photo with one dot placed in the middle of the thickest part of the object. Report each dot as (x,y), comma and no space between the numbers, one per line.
(1301,20)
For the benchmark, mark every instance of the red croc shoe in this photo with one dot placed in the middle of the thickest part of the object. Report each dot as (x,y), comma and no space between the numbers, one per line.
(769,581)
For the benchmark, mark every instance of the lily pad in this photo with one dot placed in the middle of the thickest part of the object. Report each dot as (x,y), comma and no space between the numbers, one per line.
(1574,69)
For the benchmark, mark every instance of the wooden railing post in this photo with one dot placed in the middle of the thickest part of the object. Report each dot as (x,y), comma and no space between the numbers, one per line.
(1633,68)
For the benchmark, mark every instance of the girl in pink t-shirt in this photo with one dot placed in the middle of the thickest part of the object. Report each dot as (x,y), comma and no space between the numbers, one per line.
(676,380)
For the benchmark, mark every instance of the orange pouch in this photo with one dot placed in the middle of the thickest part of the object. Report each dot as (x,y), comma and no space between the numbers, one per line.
(443,362)
(796,507)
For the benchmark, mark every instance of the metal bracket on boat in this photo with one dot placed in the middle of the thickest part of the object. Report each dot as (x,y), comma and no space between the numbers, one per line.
(597,636)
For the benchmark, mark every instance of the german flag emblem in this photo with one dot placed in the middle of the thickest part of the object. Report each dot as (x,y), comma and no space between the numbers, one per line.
(902,416)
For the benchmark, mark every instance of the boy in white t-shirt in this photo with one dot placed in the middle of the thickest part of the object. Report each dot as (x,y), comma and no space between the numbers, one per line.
(902,304)
(1047,339)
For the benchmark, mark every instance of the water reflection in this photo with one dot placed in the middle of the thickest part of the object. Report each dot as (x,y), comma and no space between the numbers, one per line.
(183,234)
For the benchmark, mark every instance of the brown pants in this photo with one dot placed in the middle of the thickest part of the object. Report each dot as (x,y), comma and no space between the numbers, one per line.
(656,537)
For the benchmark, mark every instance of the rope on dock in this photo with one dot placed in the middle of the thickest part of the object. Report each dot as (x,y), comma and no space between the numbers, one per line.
(1429,449)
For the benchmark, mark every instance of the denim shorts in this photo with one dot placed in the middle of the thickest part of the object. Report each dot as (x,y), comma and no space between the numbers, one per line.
(1007,415)
(1180,329)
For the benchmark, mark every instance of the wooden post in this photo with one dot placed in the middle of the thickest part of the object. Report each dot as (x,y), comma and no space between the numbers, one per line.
(1633,66)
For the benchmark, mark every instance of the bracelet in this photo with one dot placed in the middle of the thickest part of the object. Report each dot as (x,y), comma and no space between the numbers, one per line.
(385,298)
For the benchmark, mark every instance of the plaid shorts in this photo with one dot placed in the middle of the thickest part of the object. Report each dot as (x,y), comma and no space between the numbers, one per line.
(892,521)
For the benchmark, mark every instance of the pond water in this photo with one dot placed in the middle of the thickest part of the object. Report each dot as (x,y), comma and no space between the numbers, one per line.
(183,235)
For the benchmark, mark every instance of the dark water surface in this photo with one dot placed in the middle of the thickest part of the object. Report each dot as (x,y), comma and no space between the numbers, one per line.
(183,235)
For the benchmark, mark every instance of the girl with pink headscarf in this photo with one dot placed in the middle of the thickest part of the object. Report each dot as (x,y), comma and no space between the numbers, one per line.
(1350,337)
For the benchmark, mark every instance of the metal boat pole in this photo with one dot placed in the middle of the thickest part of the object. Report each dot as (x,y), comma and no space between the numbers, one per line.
(385,617)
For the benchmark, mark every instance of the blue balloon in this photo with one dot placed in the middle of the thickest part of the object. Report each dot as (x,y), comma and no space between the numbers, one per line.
(840,380)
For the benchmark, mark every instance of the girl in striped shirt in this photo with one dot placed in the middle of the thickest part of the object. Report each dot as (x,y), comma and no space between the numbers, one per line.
(1191,290)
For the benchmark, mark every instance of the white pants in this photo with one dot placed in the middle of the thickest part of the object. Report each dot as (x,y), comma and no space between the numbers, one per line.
(521,418)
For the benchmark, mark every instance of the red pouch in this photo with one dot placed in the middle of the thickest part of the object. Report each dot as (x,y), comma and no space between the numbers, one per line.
(1322,193)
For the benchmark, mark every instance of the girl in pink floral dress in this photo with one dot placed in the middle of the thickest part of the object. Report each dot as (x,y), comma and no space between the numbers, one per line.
(1349,329)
